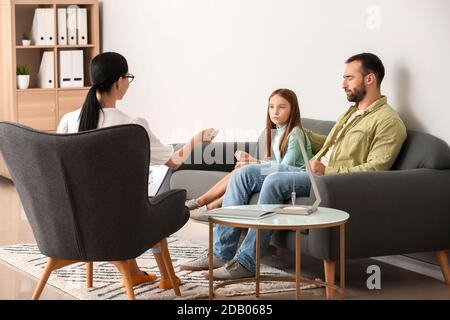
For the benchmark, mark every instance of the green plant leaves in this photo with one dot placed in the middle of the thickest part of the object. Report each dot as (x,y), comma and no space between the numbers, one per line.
(23,70)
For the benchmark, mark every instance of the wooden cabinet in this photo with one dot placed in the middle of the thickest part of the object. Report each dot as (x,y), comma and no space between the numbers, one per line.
(69,100)
(38,108)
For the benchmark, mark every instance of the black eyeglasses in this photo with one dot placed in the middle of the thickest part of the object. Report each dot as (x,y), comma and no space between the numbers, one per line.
(130,78)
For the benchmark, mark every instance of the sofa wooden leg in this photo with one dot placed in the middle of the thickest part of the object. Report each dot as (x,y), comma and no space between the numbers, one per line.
(443,262)
(330,270)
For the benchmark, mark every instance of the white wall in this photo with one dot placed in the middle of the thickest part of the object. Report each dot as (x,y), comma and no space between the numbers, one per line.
(202,63)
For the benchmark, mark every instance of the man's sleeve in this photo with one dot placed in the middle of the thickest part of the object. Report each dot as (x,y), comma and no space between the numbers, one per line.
(386,146)
(317,140)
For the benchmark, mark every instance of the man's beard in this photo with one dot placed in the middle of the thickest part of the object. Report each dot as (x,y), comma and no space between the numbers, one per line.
(357,94)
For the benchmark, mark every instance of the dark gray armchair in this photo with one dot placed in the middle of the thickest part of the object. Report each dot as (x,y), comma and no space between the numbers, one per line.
(85,196)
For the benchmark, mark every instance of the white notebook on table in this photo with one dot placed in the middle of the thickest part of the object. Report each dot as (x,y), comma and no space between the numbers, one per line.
(156,177)
(252,212)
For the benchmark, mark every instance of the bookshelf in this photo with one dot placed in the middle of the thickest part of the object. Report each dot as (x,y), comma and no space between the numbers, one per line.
(39,108)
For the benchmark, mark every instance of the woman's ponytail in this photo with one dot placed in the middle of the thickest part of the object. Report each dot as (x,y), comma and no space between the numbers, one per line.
(106,68)
(90,112)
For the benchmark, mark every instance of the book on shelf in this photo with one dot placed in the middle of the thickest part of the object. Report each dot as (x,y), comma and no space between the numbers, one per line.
(46,75)
(43,27)
(62,26)
(71,69)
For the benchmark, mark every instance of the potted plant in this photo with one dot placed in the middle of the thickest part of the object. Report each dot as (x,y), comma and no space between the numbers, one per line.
(25,40)
(23,77)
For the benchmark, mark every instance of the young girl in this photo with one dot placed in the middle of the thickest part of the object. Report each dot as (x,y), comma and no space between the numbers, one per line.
(110,82)
(283,120)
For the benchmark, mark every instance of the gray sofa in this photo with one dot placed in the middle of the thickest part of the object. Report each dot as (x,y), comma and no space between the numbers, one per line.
(404,210)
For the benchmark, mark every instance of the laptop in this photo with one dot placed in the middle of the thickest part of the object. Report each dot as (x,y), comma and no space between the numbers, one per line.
(156,177)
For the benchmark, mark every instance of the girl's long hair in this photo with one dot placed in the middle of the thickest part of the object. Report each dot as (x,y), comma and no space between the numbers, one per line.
(293,121)
(106,69)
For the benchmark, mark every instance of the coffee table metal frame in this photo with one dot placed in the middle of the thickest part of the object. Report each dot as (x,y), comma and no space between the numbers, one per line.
(258,278)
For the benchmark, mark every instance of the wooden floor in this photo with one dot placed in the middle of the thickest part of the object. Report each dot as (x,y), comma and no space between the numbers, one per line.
(396,283)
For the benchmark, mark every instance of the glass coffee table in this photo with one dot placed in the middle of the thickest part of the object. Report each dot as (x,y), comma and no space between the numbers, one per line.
(322,218)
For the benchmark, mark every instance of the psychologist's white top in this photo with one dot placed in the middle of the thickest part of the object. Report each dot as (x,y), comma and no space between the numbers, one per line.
(159,152)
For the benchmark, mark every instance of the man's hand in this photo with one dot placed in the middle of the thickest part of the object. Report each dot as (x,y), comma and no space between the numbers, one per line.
(317,167)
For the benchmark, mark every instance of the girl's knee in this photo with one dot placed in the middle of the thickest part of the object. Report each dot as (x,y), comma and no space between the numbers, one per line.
(274,179)
(248,170)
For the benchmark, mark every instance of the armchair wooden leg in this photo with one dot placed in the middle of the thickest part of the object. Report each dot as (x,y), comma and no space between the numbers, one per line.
(159,261)
(443,262)
(52,264)
(89,274)
(169,266)
(330,270)
(122,266)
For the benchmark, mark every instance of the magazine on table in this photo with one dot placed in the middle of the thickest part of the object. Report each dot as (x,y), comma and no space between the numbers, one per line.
(252,212)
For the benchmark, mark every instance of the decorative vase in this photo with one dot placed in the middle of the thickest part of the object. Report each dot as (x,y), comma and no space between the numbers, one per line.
(23,81)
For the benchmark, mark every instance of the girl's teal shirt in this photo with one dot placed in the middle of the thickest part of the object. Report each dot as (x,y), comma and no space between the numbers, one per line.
(293,155)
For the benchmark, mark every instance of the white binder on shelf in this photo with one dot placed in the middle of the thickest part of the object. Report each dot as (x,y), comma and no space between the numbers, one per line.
(71,66)
(46,75)
(62,26)
(72,25)
(38,28)
(43,28)
(78,68)
(50,27)
(82,26)
(65,69)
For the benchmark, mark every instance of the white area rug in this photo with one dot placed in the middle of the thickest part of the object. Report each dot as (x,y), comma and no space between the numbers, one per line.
(107,280)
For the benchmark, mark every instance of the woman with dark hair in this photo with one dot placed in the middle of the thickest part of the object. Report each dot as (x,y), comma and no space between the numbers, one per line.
(110,82)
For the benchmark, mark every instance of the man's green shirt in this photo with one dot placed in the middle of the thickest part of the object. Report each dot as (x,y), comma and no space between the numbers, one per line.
(371,142)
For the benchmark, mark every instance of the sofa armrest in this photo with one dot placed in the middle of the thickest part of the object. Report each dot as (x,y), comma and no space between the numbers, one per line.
(167,212)
(172,197)
(391,212)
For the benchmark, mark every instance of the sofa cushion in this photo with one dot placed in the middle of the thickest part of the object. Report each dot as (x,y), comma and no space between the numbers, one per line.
(196,182)
(318,126)
(422,150)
